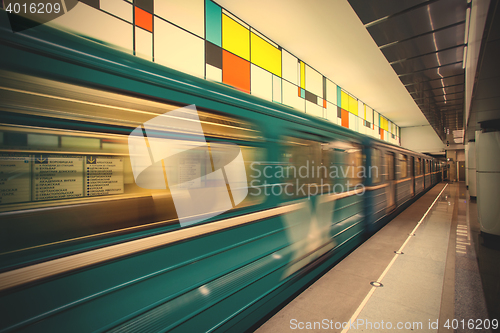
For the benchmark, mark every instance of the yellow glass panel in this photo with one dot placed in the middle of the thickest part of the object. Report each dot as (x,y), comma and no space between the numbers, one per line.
(265,55)
(344,100)
(302,75)
(384,124)
(235,37)
(353,105)
(364,112)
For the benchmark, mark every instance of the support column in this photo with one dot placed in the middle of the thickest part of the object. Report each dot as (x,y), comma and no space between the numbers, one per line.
(467,164)
(471,168)
(488,183)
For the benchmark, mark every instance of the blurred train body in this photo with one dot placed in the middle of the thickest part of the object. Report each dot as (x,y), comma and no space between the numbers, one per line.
(118,259)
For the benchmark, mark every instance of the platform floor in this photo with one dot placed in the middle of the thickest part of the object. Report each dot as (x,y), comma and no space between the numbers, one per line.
(435,280)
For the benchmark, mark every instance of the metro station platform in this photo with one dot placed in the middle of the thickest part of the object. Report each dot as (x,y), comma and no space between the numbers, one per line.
(425,271)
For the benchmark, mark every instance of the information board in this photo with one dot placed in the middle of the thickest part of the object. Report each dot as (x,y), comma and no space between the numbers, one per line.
(57,177)
(14,179)
(104,175)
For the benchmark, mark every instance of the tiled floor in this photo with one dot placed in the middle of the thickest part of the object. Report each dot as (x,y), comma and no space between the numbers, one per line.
(440,254)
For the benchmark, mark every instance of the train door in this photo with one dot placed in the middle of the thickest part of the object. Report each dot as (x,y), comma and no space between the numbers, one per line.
(461,171)
(411,173)
(390,174)
(423,173)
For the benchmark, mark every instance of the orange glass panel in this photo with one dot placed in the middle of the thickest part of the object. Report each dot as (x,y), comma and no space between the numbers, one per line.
(345,118)
(143,19)
(235,71)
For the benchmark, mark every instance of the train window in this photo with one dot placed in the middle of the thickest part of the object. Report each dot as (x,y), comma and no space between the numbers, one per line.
(86,153)
(353,159)
(90,169)
(389,164)
(299,168)
(403,166)
(346,164)
(322,167)
(375,169)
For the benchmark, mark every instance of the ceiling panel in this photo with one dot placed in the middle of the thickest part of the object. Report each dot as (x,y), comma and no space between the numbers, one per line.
(369,11)
(424,43)
(432,73)
(427,43)
(436,59)
(449,81)
(421,20)
(447,90)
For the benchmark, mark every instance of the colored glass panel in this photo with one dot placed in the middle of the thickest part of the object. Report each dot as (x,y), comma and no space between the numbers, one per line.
(143,19)
(302,75)
(261,84)
(213,55)
(290,70)
(345,118)
(213,73)
(344,100)
(369,114)
(143,44)
(265,55)
(353,105)
(331,92)
(235,71)
(235,38)
(339,93)
(324,87)
(213,23)
(324,103)
(277,89)
(311,97)
(383,123)
(314,81)
(147,5)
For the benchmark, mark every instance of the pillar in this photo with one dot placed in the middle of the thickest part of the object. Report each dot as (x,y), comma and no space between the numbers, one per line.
(471,168)
(488,183)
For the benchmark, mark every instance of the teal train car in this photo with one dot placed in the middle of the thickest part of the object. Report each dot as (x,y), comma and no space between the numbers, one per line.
(84,248)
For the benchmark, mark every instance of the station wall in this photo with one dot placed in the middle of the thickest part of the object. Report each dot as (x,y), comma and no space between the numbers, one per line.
(201,38)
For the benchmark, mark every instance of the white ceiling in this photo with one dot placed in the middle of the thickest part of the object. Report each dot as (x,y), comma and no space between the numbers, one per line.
(328,35)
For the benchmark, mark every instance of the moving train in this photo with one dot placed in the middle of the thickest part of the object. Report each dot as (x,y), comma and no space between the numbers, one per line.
(84,247)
